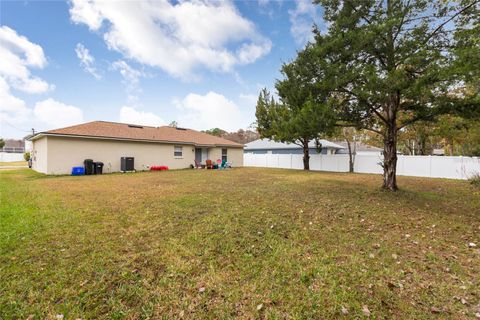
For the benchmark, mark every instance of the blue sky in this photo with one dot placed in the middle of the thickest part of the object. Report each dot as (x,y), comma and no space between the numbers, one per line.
(200,63)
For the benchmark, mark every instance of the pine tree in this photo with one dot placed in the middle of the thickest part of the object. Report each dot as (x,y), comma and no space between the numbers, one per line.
(301,115)
(389,63)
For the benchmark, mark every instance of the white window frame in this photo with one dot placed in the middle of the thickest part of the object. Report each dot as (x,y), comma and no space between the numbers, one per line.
(176,150)
(226,154)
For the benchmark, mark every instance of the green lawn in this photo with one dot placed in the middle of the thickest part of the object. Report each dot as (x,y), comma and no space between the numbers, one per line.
(241,243)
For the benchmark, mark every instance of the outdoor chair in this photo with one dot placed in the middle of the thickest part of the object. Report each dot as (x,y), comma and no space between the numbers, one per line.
(224,164)
(209,164)
(197,165)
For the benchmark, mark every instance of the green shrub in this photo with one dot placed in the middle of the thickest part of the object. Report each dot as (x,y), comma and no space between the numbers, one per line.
(26,156)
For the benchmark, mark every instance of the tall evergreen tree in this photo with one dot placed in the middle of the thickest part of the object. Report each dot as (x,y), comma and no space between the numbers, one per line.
(389,63)
(301,115)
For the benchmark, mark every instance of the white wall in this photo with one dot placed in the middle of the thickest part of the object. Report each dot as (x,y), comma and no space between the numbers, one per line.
(11,157)
(28,146)
(417,166)
(40,155)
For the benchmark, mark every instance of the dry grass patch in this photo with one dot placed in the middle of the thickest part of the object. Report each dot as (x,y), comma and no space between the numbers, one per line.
(242,243)
(14,164)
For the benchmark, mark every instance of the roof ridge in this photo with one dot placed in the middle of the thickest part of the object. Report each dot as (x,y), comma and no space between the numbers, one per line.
(111,129)
(124,123)
(141,125)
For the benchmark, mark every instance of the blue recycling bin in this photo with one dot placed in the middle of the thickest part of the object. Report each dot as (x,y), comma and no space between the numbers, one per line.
(78,171)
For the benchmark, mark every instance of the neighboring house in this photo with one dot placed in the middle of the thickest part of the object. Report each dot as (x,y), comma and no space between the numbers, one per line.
(12,151)
(262,146)
(57,151)
(13,146)
(361,149)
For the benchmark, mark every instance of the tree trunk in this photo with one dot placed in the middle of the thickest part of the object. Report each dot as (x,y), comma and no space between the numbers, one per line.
(350,155)
(390,157)
(306,155)
(422,143)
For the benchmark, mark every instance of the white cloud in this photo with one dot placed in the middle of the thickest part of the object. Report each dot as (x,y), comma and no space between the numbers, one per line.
(87,61)
(177,38)
(249,52)
(12,109)
(131,78)
(302,18)
(18,54)
(130,74)
(86,12)
(133,116)
(209,111)
(56,114)
(46,114)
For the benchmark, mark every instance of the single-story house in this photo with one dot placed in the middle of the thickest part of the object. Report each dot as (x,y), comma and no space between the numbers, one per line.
(12,151)
(266,146)
(57,151)
(13,146)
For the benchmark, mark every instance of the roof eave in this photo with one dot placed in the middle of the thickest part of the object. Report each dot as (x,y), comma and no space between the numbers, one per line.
(46,134)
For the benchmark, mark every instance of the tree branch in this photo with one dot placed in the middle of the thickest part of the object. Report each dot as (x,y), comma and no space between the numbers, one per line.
(370,106)
(379,56)
(401,23)
(414,119)
(352,125)
(450,19)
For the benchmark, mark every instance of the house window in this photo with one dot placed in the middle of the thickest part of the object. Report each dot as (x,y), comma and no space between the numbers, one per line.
(224,154)
(178,151)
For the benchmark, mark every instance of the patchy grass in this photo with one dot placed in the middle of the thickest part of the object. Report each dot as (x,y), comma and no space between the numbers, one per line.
(242,243)
(14,164)
(475,180)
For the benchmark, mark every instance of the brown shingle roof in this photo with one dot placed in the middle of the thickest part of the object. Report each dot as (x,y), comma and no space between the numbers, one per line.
(114,130)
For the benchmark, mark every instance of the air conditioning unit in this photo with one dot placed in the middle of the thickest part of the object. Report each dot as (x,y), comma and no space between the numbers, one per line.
(127,164)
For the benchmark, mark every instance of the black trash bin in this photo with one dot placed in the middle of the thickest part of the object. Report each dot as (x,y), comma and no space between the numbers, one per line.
(98,167)
(88,164)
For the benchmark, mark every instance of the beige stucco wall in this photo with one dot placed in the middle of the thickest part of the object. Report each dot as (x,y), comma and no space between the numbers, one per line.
(65,153)
(39,155)
(234,155)
(214,154)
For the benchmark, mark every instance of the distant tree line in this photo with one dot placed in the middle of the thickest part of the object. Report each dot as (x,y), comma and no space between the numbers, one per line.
(240,136)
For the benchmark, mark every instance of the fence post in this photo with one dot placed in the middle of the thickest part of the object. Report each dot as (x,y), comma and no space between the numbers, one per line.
(463,170)
(430,166)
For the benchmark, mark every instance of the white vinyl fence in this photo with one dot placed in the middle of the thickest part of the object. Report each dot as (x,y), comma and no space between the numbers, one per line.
(11,157)
(417,166)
